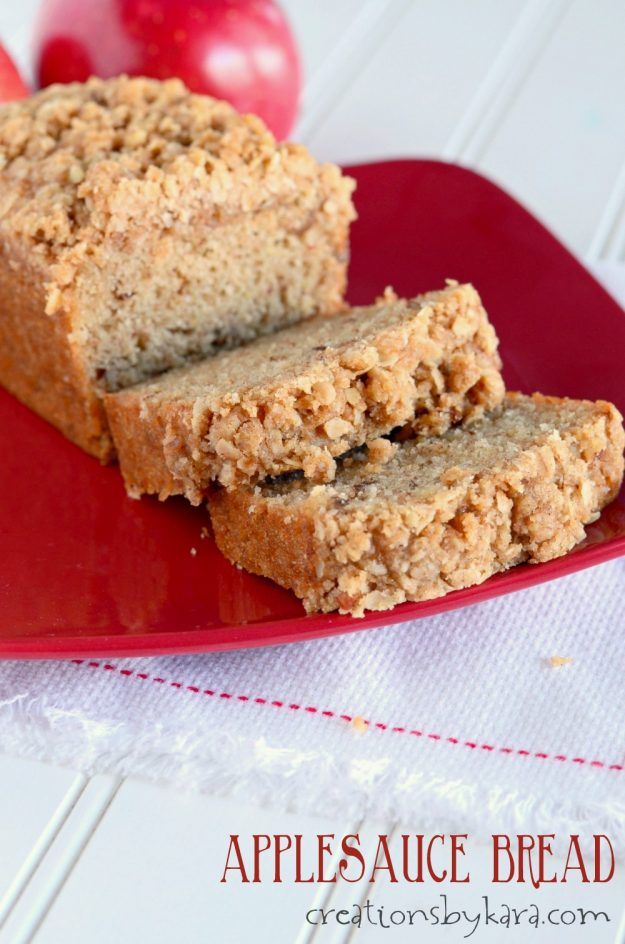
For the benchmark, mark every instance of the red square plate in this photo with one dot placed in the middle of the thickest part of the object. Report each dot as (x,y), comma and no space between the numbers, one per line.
(86,571)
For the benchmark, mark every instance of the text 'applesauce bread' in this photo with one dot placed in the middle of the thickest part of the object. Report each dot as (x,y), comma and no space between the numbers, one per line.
(442,514)
(299,398)
(142,226)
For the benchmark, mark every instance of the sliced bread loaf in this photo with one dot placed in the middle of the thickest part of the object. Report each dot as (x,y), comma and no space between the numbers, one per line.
(442,514)
(299,398)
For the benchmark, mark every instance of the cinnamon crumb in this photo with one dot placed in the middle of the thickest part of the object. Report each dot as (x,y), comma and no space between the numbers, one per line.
(381,451)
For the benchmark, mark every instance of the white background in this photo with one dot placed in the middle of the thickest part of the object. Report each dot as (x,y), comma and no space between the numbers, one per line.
(533,93)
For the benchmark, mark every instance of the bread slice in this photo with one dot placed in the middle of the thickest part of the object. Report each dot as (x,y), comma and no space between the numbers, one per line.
(443,514)
(309,393)
(142,226)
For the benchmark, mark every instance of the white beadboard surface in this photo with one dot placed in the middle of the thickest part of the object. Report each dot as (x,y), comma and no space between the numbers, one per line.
(530,92)
(184,834)
(416,82)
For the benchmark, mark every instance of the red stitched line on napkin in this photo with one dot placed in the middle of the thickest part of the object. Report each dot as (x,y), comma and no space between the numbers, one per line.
(327,713)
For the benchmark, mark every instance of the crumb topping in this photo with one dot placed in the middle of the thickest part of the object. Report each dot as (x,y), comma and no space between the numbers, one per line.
(82,159)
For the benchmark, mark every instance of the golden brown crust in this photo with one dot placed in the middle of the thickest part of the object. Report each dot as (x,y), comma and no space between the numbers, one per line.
(308,394)
(39,365)
(139,447)
(444,514)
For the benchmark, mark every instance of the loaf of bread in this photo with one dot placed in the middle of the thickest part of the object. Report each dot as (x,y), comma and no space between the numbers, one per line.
(442,514)
(142,226)
(301,397)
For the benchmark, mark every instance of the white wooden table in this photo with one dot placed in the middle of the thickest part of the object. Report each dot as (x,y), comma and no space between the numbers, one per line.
(532,93)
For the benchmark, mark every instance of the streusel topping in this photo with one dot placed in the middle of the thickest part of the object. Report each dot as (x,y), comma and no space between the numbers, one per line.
(95,156)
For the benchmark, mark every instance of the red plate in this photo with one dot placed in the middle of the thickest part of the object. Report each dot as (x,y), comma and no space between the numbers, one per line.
(86,571)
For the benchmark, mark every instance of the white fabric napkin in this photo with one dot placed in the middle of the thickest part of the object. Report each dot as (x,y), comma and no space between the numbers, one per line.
(459,720)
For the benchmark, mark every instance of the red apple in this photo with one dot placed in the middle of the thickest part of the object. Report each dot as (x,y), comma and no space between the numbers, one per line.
(11,84)
(240,50)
